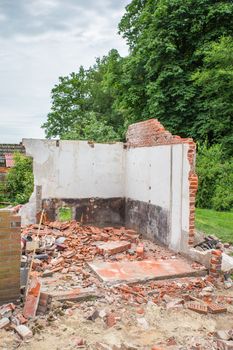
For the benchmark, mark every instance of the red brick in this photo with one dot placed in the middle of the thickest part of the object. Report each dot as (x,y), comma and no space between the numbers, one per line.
(114,247)
(110,320)
(197,307)
(216,308)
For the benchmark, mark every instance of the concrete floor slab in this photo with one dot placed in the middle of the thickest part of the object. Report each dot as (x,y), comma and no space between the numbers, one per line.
(140,271)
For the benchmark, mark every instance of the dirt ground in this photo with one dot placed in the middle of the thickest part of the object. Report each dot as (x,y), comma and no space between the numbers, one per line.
(148,315)
(137,326)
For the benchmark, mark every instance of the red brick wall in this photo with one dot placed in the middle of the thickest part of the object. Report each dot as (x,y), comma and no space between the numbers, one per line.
(10,251)
(151,133)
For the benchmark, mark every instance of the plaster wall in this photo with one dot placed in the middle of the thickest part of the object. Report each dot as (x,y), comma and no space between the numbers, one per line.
(146,188)
(77,169)
(157,192)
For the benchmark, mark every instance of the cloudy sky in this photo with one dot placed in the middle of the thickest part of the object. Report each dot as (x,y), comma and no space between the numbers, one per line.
(41,40)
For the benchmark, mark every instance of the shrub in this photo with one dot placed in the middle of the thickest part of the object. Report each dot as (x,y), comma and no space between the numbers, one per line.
(223,194)
(19,182)
(215,178)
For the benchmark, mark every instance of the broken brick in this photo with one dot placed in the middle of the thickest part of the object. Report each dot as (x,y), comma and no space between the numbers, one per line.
(110,320)
(197,307)
(32,298)
(140,251)
(216,308)
(114,247)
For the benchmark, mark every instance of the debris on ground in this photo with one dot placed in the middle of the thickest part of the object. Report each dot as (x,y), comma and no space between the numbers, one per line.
(65,298)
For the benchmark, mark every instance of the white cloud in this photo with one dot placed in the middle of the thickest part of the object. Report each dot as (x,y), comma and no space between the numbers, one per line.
(58,37)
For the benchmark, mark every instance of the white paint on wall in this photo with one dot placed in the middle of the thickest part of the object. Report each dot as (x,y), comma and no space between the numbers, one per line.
(148,175)
(185,190)
(176,196)
(75,169)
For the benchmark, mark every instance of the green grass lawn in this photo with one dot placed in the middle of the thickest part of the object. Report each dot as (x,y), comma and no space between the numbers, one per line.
(65,214)
(215,223)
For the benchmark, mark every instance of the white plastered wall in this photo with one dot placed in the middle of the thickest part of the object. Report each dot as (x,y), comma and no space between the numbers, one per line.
(159,175)
(74,169)
(77,169)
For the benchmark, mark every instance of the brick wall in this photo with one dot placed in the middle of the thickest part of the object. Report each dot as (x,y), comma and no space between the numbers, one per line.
(10,252)
(152,133)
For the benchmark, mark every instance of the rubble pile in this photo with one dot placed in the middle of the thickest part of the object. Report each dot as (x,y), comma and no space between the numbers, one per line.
(69,244)
(62,282)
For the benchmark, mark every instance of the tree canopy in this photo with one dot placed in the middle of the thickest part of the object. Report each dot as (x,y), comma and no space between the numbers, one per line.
(179,70)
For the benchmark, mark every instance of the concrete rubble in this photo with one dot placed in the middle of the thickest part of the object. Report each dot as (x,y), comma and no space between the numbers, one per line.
(64,283)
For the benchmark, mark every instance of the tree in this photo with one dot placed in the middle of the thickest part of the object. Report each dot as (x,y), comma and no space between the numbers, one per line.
(92,90)
(215,177)
(167,39)
(20,180)
(90,128)
(215,81)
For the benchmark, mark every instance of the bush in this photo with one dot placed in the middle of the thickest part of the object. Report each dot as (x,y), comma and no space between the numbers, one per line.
(215,178)
(20,181)
(223,194)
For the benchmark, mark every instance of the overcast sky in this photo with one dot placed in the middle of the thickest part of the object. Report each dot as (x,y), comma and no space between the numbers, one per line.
(41,40)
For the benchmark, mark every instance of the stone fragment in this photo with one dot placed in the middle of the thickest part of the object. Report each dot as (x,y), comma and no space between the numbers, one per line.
(175,304)
(93,315)
(4,322)
(79,341)
(142,322)
(23,331)
(6,310)
(102,314)
(47,273)
(224,345)
(114,247)
(102,346)
(76,294)
(224,335)
(228,283)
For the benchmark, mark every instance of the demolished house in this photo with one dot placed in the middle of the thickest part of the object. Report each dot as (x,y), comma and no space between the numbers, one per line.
(131,231)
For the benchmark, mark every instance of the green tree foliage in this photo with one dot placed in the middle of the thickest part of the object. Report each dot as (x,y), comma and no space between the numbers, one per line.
(93,90)
(90,128)
(215,101)
(168,41)
(179,70)
(19,182)
(215,177)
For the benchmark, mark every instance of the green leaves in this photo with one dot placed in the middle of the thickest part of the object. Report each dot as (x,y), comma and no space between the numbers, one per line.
(20,180)
(90,128)
(88,94)
(215,178)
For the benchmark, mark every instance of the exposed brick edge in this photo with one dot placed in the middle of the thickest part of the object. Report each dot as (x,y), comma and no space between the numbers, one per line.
(152,133)
(215,263)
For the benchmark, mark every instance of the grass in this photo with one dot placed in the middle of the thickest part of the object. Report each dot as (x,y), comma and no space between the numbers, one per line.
(65,214)
(219,224)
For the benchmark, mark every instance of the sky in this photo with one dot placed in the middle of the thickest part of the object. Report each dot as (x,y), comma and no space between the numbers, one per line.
(41,40)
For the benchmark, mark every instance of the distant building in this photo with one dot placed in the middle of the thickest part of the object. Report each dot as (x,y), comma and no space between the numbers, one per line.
(6,157)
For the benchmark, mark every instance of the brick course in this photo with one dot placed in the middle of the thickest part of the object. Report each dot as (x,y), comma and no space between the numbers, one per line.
(152,133)
(10,251)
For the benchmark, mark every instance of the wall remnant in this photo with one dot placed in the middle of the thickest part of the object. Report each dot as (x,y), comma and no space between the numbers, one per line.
(10,253)
(148,184)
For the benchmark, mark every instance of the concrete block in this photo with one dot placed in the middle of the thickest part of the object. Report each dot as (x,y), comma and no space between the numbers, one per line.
(24,332)
(114,247)
(4,322)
